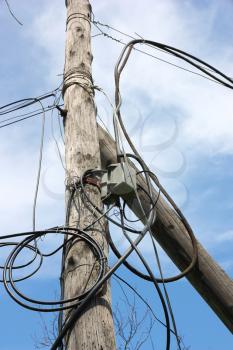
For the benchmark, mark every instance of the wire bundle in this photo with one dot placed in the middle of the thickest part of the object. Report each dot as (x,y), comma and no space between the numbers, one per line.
(151,178)
(79,197)
(27,243)
(25,103)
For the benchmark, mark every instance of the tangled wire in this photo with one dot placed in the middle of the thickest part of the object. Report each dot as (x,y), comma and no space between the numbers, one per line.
(79,197)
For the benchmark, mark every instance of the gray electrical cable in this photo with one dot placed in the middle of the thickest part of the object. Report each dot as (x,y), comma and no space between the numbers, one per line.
(39,167)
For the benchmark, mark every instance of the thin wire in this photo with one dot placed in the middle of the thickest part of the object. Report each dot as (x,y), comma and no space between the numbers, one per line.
(19,104)
(23,103)
(21,115)
(158,58)
(56,102)
(39,168)
(142,299)
(12,13)
(134,38)
(103,123)
(28,117)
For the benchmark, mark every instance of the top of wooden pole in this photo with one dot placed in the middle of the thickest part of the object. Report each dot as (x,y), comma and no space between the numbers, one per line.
(66,3)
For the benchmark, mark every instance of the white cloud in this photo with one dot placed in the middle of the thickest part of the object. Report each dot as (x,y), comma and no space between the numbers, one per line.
(47,34)
(206,121)
(225,237)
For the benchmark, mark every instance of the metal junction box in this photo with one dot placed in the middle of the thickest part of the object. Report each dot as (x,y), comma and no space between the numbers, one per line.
(118,181)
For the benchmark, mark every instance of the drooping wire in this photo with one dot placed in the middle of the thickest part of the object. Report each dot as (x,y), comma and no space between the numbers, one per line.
(119,68)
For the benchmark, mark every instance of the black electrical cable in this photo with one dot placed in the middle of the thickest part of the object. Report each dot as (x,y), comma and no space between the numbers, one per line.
(21,115)
(152,201)
(27,264)
(31,113)
(118,70)
(153,279)
(13,291)
(164,305)
(72,191)
(178,53)
(147,277)
(144,301)
(17,267)
(77,311)
(26,102)
(158,262)
(97,23)
(25,118)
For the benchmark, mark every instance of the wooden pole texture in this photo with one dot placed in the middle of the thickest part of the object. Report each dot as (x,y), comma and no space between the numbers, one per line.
(94,329)
(210,281)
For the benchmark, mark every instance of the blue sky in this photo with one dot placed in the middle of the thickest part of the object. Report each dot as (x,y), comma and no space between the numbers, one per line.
(181,123)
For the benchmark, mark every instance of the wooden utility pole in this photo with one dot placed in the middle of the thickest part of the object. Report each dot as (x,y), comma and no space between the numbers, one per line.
(94,329)
(210,281)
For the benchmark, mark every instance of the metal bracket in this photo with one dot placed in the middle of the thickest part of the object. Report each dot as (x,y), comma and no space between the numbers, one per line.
(63,112)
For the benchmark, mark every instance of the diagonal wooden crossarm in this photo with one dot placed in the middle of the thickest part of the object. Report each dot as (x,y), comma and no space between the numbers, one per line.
(208,278)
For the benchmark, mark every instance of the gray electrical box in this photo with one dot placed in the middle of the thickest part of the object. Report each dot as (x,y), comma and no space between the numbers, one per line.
(118,181)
